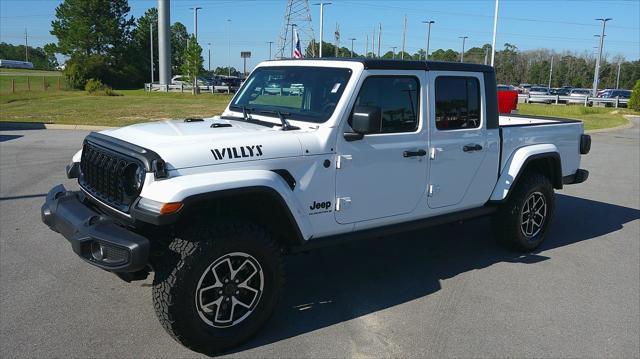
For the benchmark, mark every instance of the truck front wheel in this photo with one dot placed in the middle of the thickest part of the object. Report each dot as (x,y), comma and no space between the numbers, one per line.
(523,221)
(217,285)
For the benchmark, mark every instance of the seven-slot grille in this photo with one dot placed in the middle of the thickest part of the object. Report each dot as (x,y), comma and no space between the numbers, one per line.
(103,176)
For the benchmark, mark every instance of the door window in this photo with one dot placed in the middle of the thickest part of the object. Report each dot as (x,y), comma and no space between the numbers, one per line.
(457,103)
(397,98)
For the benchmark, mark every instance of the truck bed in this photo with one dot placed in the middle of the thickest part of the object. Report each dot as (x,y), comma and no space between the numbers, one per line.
(522,130)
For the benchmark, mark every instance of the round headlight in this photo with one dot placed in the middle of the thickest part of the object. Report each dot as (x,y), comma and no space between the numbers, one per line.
(134,179)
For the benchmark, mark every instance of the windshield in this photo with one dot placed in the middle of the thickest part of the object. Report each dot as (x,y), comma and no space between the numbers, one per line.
(299,92)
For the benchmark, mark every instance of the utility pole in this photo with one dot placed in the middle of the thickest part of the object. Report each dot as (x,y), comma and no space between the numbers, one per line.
(164,41)
(352,40)
(464,38)
(428,22)
(195,20)
(271,43)
(379,38)
(337,36)
(404,36)
(618,77)
(495,28)
(366,48)
(229,47)
(322,5)
(550,72)
(596,75)
(151,35)
(393,50)
(209,62)
(373,43)
(26,46)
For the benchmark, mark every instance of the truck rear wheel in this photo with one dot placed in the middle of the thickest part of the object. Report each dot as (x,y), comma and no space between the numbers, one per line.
(217,285)
(522,222)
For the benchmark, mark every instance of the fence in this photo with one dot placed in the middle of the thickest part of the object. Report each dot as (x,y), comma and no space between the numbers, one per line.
(186,88)
(14,84)
(582,100)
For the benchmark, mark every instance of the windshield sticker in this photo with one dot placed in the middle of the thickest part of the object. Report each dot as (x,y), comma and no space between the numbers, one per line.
(237,152)
(336,87)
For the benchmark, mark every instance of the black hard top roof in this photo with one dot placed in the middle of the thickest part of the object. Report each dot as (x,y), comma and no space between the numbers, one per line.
(387,64)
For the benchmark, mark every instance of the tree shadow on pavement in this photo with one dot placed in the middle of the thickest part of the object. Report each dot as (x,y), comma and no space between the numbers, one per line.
(336,284)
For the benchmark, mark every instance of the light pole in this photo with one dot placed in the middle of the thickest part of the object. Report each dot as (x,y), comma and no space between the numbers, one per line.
(352,40)
(164,42)
(270,43)
(209,62)
(464,38)
(428,22)
(550,72)
(151,35)
(618,77)
(393,51)
(404,37)
(495,28)
(322,5)
(229,47)
(596,75)
(195,20)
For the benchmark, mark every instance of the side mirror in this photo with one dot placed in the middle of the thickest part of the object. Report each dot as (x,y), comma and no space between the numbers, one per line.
(366,119)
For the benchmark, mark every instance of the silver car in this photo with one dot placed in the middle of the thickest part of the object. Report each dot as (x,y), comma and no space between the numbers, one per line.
(536,92)
(578,95)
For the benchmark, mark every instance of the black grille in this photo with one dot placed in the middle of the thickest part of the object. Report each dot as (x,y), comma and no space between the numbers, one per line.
(103,176)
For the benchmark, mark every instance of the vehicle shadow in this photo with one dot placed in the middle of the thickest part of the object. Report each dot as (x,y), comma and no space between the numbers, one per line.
(336,284)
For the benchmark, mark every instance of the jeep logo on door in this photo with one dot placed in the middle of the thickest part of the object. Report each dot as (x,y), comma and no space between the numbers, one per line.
(320,207)
(237,152)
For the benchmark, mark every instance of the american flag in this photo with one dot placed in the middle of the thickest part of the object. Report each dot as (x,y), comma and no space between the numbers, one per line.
(297,51)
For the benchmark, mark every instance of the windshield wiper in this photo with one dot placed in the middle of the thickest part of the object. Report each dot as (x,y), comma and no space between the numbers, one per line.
(246,117)
(286,126)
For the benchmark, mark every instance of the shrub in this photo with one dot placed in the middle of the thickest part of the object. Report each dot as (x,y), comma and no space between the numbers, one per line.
(93,85)
(634,101)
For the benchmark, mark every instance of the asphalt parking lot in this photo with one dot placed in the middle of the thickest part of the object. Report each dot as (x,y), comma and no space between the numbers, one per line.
(444,292)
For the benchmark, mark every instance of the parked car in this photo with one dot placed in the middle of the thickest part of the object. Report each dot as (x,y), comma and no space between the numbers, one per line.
(211,206)
(183,80)
(578,95)
(612,94)
(525,88)
(536,92)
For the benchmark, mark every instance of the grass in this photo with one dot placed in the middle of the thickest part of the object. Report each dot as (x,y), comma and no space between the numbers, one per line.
(76,107)
(594,118)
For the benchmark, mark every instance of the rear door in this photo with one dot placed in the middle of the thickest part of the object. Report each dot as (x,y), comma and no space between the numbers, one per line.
(384,174)
(458,136)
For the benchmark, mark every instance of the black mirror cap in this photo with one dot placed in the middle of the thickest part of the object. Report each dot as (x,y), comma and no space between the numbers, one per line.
(366,119)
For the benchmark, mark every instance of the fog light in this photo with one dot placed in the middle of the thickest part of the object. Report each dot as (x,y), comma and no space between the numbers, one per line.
(108,254)
(97,251)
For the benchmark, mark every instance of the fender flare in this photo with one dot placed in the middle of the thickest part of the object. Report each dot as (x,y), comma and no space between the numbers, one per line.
(193,189)
(516,164)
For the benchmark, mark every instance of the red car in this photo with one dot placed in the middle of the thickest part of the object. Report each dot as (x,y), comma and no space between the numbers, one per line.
(507,99)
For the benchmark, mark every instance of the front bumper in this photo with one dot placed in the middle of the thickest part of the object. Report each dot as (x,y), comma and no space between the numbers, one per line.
(95,237)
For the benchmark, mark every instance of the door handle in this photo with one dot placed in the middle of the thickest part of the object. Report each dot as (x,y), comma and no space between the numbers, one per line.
(418,153)
(472,147)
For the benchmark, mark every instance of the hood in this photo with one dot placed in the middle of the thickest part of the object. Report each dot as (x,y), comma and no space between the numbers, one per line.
(184,144)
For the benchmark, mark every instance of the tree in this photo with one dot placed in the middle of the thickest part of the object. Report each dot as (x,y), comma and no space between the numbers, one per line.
(634,101)
(141,40)
(96,35)
(42,58)
(179,38)
(224,71)
(192,65)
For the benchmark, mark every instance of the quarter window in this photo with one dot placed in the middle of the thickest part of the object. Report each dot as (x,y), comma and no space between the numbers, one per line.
(457,103)
(397,98)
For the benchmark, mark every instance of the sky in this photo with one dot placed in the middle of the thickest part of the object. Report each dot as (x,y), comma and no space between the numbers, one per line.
(553,24)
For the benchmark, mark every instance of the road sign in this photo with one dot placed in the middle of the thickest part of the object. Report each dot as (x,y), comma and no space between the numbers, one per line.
(245,54)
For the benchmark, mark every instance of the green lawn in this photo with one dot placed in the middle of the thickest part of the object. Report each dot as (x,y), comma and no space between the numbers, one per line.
(593,117)
(76,107)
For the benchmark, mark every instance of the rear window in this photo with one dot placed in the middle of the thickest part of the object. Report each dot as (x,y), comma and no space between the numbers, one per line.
(457,103)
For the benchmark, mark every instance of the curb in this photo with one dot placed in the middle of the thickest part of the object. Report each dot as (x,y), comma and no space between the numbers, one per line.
(8,126)
(628,125)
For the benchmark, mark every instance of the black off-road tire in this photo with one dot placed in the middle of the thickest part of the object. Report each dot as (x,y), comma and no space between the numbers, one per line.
(507,223)
(179,271)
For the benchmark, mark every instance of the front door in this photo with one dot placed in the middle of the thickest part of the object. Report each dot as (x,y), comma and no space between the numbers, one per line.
(458,136)
(384,174)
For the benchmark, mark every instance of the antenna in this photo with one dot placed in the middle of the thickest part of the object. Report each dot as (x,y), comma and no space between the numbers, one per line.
(297,12)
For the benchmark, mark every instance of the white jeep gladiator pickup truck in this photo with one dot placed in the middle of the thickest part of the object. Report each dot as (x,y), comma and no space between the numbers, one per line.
(361,148)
